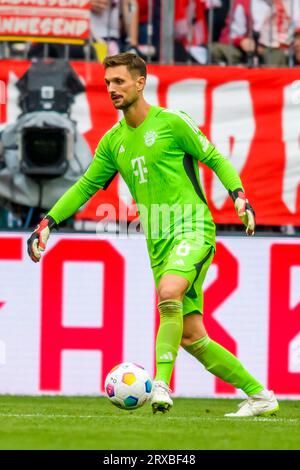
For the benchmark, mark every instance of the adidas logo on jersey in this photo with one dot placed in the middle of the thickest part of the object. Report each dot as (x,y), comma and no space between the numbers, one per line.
(179,261)
(122,149)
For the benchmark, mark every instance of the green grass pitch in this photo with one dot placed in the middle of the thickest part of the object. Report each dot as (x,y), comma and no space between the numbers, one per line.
(93,423)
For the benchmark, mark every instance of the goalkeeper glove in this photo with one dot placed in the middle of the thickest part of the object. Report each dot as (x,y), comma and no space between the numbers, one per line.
(36,243)
(244,210)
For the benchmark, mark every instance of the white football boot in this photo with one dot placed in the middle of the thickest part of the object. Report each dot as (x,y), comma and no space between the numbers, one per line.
(255,406)
(160,398)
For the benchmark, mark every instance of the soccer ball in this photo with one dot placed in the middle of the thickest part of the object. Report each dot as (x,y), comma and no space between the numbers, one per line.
(128,386)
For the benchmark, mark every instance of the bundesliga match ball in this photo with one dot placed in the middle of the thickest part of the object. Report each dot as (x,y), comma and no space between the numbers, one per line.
(128,386)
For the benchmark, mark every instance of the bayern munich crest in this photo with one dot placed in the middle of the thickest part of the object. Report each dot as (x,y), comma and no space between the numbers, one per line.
(150,138)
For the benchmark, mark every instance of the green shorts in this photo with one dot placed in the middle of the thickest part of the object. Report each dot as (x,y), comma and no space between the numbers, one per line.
(191,260)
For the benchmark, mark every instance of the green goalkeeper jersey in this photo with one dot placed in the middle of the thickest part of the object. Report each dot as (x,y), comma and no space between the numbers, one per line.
(159,162)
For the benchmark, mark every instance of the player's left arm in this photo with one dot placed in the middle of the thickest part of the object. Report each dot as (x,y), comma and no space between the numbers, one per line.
(229,177)
(195,143)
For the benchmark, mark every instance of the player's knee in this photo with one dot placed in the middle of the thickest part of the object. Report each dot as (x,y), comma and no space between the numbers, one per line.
(168,293)
(187,339)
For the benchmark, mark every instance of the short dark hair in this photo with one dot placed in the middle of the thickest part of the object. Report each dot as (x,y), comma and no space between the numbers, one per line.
(132,61)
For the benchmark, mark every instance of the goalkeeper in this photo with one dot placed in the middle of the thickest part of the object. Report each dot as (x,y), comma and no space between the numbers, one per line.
(156,150)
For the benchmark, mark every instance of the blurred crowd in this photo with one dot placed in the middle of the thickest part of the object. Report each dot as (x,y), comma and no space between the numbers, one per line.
(248,31)
(251,32)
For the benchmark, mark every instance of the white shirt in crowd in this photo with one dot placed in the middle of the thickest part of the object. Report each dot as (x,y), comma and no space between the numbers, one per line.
(276,21)
(107,24)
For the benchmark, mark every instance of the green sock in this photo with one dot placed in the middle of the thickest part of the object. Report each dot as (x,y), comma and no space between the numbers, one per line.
(168,338)
(224,365)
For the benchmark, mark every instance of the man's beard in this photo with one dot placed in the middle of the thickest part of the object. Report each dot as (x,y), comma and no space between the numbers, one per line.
(125,105)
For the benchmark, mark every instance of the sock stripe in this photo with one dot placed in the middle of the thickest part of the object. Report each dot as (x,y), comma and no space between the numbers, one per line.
(170,307)
(198,346)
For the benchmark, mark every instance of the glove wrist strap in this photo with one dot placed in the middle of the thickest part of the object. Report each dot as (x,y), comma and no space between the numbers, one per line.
(51,222)
(239,192)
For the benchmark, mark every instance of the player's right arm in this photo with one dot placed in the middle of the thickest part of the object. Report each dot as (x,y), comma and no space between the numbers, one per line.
(98,176)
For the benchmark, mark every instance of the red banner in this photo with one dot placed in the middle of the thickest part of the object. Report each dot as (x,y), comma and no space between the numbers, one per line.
(66,4)
(45,18)
(252,116)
